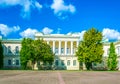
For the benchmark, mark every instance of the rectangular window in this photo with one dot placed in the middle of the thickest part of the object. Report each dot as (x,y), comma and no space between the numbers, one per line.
(9,62)
(62,50)
(74,62)
(62,62)
(68,62)
(16,49)
(9,49)
(56,50)
(68,50)
(56,62)
(17,62)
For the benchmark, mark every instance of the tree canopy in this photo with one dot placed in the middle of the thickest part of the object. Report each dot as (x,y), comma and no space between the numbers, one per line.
(35,51)
(112,58)
(90,49)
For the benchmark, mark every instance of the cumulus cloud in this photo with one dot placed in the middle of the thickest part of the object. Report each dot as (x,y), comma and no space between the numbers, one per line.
(27,6)
(60,8)
(111,34)
(6,30)
(28,33)
(47,30)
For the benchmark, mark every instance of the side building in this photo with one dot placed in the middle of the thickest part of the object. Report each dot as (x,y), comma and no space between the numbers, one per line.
(63,45)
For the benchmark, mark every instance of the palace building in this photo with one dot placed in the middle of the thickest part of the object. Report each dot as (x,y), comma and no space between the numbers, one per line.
(63,45)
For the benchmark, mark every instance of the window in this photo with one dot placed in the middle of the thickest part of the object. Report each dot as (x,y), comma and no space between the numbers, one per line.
(56,62)
(17,62)
(118,50)
(68,50)
(68,62)
(16,49)
(62,50)
(9,62)
(9,49)
(74,62)
(56,50)
(62,62)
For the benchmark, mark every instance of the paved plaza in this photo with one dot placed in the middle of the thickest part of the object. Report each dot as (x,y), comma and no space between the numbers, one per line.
(58,77)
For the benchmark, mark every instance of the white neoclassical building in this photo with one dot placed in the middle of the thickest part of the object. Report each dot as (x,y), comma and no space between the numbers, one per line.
(63,45)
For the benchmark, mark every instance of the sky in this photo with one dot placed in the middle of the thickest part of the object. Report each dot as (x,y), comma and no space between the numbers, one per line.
(23,18)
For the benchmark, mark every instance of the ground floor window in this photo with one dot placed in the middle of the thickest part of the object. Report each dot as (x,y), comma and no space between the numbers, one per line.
(56,63)
(9,62)
(74,62)
(62,62)
(17,62)
(68,62)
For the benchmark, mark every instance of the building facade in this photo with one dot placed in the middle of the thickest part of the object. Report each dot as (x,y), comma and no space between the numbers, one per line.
(63,45)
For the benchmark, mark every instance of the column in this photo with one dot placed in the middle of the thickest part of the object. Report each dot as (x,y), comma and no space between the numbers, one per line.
(65,47)
(53,46)
(77,43)
(59,47)
(71,48)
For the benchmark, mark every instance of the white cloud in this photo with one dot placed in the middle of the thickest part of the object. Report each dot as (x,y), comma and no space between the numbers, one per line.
(47,30)
(111,34)
(60,8)
(27,6)
(28,33)
(6,30)
(78,33)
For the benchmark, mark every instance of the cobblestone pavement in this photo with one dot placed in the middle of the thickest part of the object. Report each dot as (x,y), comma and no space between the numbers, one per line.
(58,77)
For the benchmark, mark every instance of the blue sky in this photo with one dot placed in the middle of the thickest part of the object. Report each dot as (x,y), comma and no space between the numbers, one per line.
(22,18)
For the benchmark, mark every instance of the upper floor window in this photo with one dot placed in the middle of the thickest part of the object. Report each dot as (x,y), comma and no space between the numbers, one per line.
(56,50)
(68,50)
(9,49)
(118,50)
(62,50)
(16,49)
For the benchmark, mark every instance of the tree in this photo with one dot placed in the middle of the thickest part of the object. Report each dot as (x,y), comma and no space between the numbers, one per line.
(25,52)
(1,55)
(90,49)
(43,52)
(112,58)
(35,51)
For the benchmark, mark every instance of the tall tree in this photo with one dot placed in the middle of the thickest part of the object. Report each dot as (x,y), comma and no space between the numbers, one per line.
(112,58)
(90,49)
(1,55)
(25,52)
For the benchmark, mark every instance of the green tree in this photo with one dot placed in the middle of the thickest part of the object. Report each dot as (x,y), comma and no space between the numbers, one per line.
(1,55)
(90,49)
(25,52)
(35,51)
(112,59)
(43,52)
